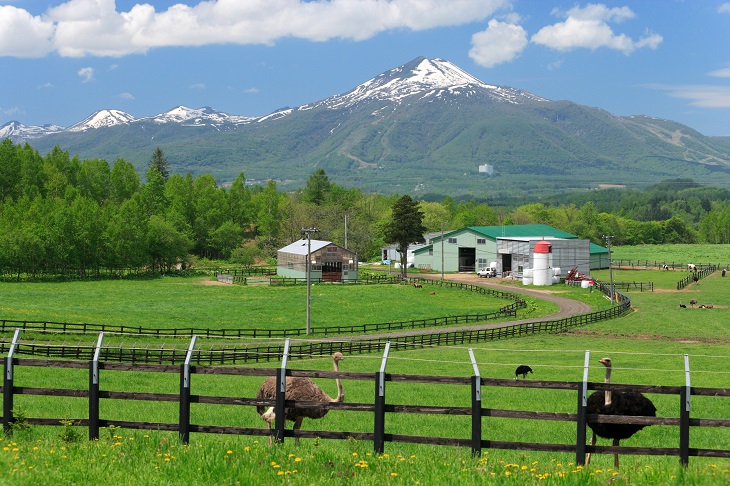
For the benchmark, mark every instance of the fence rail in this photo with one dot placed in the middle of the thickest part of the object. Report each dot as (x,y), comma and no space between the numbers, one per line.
(696,276)
(468,436)
(257,352)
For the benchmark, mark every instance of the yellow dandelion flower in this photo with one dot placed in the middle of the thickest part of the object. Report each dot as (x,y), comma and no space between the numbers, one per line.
(599,470)
(280,473)
(276,466)
(394,474)
(247,448)
(273,463)
(291,455)
(35,448)
(524,468)
(354,454)
(131,438)
(413,457)
(508,473)
(229,451)
(298,459)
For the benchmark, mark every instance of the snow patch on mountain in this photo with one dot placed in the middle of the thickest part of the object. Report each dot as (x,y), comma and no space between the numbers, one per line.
(17,131)
(205,116)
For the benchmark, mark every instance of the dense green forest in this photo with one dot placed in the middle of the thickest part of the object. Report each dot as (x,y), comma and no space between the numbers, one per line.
(59,211)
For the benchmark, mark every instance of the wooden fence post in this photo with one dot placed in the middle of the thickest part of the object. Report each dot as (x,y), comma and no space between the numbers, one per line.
(476,408)
(185,394)
(94,391)
(8,384)
(279,410)
(580,441)
(379,422)
(684,397)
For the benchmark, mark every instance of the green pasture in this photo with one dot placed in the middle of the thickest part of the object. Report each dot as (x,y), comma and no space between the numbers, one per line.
(681,254)
(647,346)
(169,303)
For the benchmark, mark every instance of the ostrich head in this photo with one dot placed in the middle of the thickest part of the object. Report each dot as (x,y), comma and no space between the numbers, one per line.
(607,363)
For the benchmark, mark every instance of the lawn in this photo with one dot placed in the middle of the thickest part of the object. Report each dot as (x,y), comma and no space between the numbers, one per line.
(647,346)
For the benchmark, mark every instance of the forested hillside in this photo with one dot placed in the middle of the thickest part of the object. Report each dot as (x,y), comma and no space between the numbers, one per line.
(60,211)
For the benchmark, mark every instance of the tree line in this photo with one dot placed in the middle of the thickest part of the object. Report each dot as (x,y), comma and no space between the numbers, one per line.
(60,211)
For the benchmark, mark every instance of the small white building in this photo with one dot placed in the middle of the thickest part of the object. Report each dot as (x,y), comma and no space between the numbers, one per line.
(330,262)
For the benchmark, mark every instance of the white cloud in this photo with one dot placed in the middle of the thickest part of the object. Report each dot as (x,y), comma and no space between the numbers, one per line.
(46,85)
(252,91)
(720,73)
(198,86)
(500,42)
(86,74)
(24,35)
(588,27)
(705,96)
(79,28)
(724,8)
(126,96)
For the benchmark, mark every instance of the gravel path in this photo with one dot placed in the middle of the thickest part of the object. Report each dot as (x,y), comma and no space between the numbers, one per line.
(567,308)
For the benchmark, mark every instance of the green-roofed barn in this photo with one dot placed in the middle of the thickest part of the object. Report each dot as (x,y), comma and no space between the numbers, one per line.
(510,247)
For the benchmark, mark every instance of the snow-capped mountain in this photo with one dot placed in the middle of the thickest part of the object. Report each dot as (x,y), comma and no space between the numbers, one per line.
(102,119)
(17,131)
(205,116)
(424,78)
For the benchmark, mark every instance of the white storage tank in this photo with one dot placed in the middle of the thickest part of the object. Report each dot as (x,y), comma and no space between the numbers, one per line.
(541,271)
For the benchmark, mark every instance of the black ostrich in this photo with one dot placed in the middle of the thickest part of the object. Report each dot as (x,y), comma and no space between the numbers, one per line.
(616,403)
(522,370)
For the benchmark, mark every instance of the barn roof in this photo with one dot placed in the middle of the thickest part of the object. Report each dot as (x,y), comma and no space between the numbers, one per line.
(299,247)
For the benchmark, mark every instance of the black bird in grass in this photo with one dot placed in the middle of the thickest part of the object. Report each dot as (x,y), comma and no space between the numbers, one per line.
(616,403)
(522,370)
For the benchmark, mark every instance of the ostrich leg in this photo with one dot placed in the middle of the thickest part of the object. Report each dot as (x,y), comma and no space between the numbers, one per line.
(615,456)
(297,425)
(593,442)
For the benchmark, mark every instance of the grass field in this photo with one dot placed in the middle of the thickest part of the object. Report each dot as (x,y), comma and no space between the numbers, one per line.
(647,346)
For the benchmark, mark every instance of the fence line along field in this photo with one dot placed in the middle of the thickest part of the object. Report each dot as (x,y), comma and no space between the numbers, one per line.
(647,346)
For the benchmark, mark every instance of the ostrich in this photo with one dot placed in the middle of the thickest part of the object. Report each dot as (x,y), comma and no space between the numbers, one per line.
(299,388)
(693,303)
(522,370)
(616,403)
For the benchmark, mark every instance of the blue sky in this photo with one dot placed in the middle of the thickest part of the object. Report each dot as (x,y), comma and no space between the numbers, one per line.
(61,61)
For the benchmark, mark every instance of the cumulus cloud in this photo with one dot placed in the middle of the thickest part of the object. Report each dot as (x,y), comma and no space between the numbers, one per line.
(126,96)
(86,74)
(24,35)
(79,28)
(724,8)
(588,27)
(500,42)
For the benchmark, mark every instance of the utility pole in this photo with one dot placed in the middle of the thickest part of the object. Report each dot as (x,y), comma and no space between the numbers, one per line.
(442,250)
(346,232)
(610,267)
(309,232)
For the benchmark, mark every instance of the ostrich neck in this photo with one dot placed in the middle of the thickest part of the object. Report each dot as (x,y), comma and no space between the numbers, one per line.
(608,381)
(340,393)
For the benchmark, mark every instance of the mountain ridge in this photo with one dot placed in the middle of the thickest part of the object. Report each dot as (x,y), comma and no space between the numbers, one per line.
(426,126)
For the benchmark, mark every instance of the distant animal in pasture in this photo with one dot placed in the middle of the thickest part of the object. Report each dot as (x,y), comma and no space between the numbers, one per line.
(616,403)
(432,293)
(706,306)
(723,271)
(522,370)
(693,303)
(682,306)
(418,286)
(299,388)
(691,267)
(665,267)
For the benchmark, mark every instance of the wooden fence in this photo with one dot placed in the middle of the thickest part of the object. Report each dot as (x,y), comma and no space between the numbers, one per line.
(696,276)
(473,436)
(659,265)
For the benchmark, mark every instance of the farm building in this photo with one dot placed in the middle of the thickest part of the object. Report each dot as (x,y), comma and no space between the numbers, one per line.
(511,248)
(330,262)
(390,253)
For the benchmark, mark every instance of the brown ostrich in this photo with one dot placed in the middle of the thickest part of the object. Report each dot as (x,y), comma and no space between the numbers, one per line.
(299,388)
(616,403)
(693,302)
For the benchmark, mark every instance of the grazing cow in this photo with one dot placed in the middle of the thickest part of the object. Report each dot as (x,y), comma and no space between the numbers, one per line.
(691,267)
(417,285)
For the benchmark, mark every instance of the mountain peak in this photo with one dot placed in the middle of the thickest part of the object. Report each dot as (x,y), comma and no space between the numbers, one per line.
(102,118)
(423,77)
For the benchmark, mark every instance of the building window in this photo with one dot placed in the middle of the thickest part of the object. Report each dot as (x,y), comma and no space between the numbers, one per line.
(452,241)
(289,265)
(481,241)
(430,252)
